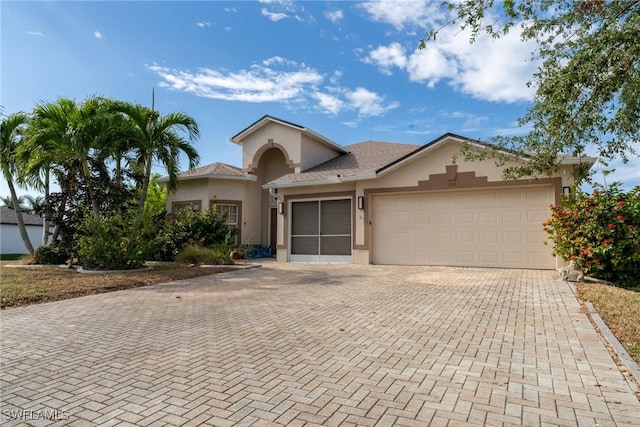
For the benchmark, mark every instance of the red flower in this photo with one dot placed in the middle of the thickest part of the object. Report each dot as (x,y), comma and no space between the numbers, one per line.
(620,203)
(621,217)
(607,241)
(611,226)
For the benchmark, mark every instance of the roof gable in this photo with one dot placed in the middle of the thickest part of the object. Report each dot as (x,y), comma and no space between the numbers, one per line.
(213,170)
(255,126)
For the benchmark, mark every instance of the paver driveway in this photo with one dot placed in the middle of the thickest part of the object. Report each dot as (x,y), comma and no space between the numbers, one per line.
(300,344)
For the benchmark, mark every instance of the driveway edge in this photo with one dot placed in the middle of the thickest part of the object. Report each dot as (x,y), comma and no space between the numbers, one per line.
(630,364)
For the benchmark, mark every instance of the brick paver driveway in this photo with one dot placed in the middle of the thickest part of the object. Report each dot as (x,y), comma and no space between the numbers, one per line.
(303,344)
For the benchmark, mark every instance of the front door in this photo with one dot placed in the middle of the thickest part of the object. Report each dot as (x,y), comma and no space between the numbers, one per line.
(321,231)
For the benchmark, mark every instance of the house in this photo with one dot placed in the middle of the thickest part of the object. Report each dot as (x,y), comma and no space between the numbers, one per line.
(10,239)
(311,199)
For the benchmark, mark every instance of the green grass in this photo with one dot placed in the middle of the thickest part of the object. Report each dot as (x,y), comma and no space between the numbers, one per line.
(10,257)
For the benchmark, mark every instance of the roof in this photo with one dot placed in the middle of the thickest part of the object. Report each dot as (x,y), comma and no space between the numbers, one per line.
(264,120)
(8,216)
(371,159)
(362,159)
(213,170)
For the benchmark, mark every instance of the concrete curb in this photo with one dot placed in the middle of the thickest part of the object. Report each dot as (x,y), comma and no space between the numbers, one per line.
(625,358)
(132,270)
(234,266)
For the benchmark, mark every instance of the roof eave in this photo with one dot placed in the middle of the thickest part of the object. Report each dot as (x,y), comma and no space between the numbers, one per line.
(247,177)
(330,180)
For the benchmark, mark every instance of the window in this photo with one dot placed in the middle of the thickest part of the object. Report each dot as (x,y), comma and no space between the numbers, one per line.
(194,205)
(229,213)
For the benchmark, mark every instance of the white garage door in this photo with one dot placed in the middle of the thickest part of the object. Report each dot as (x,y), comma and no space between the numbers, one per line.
(474,228)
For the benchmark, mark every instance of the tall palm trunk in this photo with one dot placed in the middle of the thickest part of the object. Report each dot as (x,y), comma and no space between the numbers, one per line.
(143,195)
(18,211)
(45,225)
(90,190)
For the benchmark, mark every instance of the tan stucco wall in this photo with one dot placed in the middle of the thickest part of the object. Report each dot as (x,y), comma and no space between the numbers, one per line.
(301,151)
(315,153)
(288,138)
(205,190)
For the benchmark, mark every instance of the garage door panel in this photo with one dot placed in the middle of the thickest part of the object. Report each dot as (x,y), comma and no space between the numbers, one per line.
(513,237)
(487,217)
(487,228)
(511,216)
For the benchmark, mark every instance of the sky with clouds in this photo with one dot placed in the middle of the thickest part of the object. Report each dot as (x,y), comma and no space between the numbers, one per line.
(350,71)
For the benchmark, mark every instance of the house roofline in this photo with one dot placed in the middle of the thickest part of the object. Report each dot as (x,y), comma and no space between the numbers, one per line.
(247,177)
(236,139)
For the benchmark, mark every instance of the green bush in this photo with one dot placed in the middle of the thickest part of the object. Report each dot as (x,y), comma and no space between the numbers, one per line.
(168,235)
(52,254)
(107,243)
(600,232)
(196,254)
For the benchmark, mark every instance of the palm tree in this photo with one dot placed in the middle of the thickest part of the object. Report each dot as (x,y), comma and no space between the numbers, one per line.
(9,139)
(155,138)
(7,201)
(65,132)
(36,204)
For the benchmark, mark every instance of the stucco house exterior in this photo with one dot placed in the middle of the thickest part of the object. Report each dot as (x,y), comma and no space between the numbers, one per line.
(311,199)
(10,239)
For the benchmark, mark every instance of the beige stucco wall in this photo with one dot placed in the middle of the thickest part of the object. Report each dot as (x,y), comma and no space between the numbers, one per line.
(205,190)
(314,153)
(284,136)
(300,150)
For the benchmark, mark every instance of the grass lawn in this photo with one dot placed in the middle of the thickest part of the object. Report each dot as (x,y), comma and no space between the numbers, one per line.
(25,286)
(619,308)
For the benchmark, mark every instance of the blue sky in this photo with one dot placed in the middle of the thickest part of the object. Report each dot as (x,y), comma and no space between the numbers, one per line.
(348,70)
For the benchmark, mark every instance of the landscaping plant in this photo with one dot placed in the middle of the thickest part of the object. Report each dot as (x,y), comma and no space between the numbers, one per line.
(600,232)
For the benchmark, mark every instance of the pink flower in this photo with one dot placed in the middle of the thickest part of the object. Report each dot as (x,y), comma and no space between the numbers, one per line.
(611,226)
(620,203)
(621,217)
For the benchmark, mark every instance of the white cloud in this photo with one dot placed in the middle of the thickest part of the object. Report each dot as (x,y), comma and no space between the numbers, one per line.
(329,103)
(203,24)
(98,35)
(489,69)
(334,16)
(35,33)
(387,57)
(274,16)
(259,84)
(275,79)
(368,103)
(406,13)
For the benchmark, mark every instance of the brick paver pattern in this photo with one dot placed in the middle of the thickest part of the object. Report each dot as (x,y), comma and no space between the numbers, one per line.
(307,344)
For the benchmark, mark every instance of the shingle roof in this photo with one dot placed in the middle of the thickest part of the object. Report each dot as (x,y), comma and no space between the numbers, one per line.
(8,216)
(213,169)
(362,157)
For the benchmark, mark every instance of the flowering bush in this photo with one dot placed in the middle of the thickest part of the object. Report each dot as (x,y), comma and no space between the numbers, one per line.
(600,232)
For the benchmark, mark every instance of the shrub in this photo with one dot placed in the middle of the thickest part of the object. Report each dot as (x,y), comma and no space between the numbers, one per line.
(196,254)
(169,234)
(600,232)
(52,254)
(107,244)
